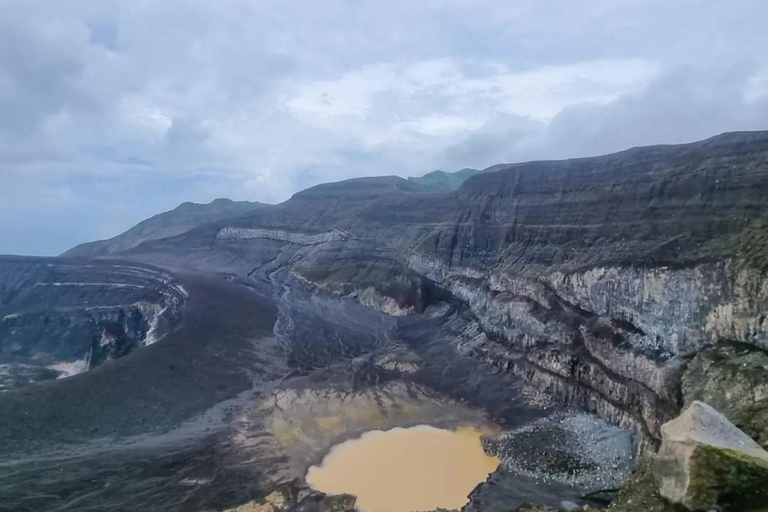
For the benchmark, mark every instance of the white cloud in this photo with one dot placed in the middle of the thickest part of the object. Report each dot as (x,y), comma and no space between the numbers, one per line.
(538,93)
(350,95)
(443,125)
(542,93)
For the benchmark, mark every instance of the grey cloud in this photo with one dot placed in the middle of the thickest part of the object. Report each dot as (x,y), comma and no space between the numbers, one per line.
(185,132)
(39,70)
(684,104)
(504,138)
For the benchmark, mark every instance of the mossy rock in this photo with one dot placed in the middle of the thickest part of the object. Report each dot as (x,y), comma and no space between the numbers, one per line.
(727,478)
(641,494)
(733,378)
(326,503)
(705,460)
(279,499)
(340,503)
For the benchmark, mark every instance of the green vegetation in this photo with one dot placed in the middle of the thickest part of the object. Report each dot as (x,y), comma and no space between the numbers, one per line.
(641,494)
(731,480)
(752,249)
(445,181)
(728,478)
(732,378)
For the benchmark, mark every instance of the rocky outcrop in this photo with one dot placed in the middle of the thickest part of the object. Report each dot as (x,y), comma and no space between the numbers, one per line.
(289,498)
(705,461)
(694,469)
(733,378)
(70,317)
(613,339)
(641,494)
(592,360)
(281,236)
(276,501)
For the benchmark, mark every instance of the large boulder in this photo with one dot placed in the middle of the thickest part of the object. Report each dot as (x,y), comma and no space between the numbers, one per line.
(288,496)
(705,461)
(732,378)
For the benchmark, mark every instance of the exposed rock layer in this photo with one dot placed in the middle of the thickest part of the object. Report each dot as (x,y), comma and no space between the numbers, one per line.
(706,461)
(69,317)
(596,279)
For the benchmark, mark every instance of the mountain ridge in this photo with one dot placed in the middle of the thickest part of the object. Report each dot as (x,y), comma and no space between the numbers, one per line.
(184,217)
(378,187)
(531,249)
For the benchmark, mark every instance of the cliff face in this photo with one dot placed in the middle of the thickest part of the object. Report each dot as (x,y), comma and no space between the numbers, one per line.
(599,278)
(613,339)
(59,319)
(595,279)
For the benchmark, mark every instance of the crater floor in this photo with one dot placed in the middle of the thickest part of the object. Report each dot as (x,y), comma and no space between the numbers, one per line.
(259,382)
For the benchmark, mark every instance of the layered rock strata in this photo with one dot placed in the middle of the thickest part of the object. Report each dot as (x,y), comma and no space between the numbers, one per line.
(596,279)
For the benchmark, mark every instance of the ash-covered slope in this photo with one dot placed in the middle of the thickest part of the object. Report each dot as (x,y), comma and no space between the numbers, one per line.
(594,278)
(59,318)
(179,220)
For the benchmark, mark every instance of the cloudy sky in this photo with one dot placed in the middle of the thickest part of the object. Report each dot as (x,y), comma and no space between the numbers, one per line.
(111,111)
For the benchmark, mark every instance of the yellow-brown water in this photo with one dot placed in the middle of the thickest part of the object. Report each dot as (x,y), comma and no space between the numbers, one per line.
(406,469)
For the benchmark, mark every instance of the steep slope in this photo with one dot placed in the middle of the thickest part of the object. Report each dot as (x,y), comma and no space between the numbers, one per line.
(60,319)
(179,220)
(657,205)
(596,279)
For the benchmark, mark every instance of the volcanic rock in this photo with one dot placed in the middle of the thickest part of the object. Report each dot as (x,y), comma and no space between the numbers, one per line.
(705,461)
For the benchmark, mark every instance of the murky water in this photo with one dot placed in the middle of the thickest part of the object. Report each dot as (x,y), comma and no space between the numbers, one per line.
(406,469)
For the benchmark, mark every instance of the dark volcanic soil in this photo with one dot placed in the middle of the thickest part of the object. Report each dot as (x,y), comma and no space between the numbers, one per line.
(257,383)
(223,346)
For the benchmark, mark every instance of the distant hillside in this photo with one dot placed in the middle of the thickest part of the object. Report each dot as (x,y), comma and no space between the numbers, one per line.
(179,220)
(370,187)
(445,181)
